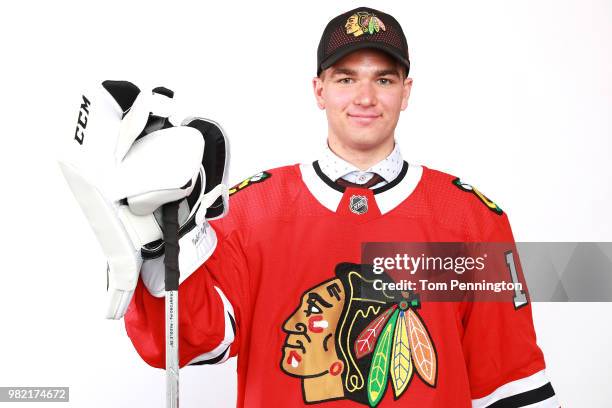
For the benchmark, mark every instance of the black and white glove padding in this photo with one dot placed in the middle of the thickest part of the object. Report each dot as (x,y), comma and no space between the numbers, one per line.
(131,154)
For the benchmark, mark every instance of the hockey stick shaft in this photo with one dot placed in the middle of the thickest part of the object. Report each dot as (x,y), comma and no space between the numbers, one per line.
(171,253)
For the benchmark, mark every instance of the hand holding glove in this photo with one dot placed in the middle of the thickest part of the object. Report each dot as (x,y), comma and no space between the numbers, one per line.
(129,156)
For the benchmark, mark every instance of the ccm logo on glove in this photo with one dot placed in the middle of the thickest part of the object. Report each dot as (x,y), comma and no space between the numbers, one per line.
(79,133)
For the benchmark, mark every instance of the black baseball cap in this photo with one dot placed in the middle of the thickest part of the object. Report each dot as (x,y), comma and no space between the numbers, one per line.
(360,28)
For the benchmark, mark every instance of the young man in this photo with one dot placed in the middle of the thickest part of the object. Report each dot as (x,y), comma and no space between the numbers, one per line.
(284,289)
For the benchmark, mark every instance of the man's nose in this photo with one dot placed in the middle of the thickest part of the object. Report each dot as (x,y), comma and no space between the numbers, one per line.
(366,94)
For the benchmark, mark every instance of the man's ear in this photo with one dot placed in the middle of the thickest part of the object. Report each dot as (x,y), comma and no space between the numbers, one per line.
(317,87)
(406,93)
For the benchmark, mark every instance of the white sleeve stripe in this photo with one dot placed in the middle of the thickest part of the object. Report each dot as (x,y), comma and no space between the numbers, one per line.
(228,339)
(225,357)
(526,384)
(536,398)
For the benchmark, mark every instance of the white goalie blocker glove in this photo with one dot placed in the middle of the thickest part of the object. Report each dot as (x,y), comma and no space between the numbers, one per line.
(128,157)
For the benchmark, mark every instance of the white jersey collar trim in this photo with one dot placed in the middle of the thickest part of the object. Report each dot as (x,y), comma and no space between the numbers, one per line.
(326,195)
(387,200)
(391,198)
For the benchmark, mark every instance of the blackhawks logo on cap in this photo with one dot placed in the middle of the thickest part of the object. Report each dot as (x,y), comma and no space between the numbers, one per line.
(363,22)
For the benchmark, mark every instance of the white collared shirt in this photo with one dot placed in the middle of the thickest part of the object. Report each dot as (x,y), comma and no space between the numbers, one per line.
(335,167)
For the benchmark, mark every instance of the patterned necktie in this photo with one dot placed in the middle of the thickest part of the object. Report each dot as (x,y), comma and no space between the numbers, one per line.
(376,178)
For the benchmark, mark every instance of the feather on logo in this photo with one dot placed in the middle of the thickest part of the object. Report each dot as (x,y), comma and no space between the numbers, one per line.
(402,346)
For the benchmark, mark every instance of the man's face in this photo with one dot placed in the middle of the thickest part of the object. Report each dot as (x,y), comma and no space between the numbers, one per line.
(363,95)
(310,347)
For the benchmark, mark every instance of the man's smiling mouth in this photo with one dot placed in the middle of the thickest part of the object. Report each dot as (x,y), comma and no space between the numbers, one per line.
(363,118)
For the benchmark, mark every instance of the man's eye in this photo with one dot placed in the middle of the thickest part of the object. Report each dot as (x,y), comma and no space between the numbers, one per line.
(346,81)
(384,81)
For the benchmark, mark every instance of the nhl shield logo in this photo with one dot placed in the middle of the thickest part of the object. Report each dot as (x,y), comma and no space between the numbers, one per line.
(358,204)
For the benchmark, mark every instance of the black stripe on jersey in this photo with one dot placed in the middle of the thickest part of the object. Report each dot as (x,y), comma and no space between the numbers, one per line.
(332,184)
(213,360)
(217,359)
(393,182)
(233,322)
(327,180)
(525,398)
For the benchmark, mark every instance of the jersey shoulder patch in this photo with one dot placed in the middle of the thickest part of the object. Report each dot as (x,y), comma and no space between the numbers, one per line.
(249,181)
(483,198)
(262,197)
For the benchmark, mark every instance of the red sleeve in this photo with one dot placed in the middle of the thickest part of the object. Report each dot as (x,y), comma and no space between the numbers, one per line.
(503,360)
(214,301)
(211,305)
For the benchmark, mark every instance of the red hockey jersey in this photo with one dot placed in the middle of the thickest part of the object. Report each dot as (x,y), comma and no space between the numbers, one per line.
(282,292)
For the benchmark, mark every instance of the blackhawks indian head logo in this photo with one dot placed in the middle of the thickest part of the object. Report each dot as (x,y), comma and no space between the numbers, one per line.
(348,340)
(363,22)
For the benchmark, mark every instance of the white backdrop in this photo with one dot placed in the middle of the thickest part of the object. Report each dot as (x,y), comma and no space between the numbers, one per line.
(513,96)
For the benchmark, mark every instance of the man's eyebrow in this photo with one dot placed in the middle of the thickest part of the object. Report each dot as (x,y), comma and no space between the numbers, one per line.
(389,71)
(379,73)
(344,71)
